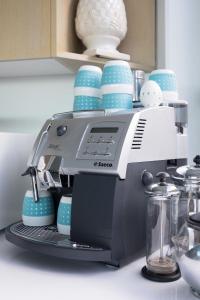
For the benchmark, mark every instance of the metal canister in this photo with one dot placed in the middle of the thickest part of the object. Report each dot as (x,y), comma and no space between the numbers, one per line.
(181,114)
(139,78)
(189,178)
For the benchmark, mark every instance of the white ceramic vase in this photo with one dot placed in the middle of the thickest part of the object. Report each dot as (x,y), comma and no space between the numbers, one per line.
(101,25)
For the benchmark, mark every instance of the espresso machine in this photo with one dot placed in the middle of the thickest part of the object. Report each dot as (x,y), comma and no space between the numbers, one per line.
(100,157)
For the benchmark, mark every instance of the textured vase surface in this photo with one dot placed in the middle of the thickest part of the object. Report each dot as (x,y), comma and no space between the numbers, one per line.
(103,19)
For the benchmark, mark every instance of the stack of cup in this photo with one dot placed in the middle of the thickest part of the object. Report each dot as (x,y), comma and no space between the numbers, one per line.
(87,88)
(40,213)
(166,79)
(117,86)
(64,215)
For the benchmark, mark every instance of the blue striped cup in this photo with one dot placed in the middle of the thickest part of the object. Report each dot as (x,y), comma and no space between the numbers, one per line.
(64,215)
(117,101)
(117,72)
(117,85)
(87,88)
(86,103)
(166,79)
(40,213)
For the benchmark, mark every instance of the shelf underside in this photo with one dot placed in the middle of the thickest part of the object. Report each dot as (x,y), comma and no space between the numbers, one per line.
(64,63)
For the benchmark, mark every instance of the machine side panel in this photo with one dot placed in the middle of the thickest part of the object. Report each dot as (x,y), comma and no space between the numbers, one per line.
(156,139)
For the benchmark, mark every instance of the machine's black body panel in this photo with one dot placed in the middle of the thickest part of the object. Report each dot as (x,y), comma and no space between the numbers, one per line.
(108,213)
(93,201)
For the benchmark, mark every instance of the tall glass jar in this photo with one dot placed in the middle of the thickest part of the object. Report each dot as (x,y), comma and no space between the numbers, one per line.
(162,225)
(188,179)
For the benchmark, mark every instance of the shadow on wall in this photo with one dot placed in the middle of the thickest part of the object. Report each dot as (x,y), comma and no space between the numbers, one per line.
(27,102)
(22,125)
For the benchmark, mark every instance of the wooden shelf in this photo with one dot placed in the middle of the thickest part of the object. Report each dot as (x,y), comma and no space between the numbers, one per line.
(40,35)
(74,61)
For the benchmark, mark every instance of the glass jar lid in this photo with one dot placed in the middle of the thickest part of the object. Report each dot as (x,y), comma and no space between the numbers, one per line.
(191,172)
(194,221)
(162,188)
(194,253)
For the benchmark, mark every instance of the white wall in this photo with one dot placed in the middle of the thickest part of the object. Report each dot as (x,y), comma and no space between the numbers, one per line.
(25,103)
(179,49)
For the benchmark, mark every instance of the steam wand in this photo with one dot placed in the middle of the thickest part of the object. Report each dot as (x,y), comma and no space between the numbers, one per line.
(33,173)
(35,156)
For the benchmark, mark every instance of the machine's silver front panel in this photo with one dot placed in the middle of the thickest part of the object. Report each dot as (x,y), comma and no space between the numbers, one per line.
(88,144)
(106,144)
(101,141)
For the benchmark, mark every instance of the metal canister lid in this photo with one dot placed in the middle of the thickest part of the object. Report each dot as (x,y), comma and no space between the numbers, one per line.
(191,172)
(139,74)
(194,221)
(162,188)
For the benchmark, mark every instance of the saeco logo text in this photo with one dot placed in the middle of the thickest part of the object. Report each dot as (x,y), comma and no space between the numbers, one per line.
(100,164)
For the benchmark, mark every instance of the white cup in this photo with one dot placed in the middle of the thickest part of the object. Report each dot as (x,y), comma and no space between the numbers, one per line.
(64,215)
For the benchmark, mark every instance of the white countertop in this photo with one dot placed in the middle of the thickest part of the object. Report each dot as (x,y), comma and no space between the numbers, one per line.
(25,275)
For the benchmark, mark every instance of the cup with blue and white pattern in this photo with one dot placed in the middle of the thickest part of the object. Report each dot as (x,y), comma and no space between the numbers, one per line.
(166,79)
(40,213)
(64,215)
(87,93)
(117,86)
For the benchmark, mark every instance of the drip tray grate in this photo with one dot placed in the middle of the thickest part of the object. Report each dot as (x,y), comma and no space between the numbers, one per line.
(46,235)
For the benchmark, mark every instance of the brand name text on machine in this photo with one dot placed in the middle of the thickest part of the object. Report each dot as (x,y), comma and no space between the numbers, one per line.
(100,164)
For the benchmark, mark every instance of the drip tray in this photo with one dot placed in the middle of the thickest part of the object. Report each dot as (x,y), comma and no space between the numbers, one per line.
(47,240)
(47,235)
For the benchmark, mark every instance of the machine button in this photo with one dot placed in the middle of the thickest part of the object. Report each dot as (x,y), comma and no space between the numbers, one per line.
(105,141)
(61,130)
(94,141)
(91,140)
(93,153)
(101,140)
(110,141)
(103,154)
(107,154)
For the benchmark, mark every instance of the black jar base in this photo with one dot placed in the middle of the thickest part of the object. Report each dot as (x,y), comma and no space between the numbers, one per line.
(195,293)
(160,277)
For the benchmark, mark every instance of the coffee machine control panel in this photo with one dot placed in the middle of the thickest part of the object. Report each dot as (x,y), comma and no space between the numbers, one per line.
(101,141)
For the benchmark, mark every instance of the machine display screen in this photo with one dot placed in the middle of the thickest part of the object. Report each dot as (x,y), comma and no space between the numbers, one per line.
(104,130)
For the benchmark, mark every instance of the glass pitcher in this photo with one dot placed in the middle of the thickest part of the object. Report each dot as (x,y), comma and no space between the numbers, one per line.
(162,222)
